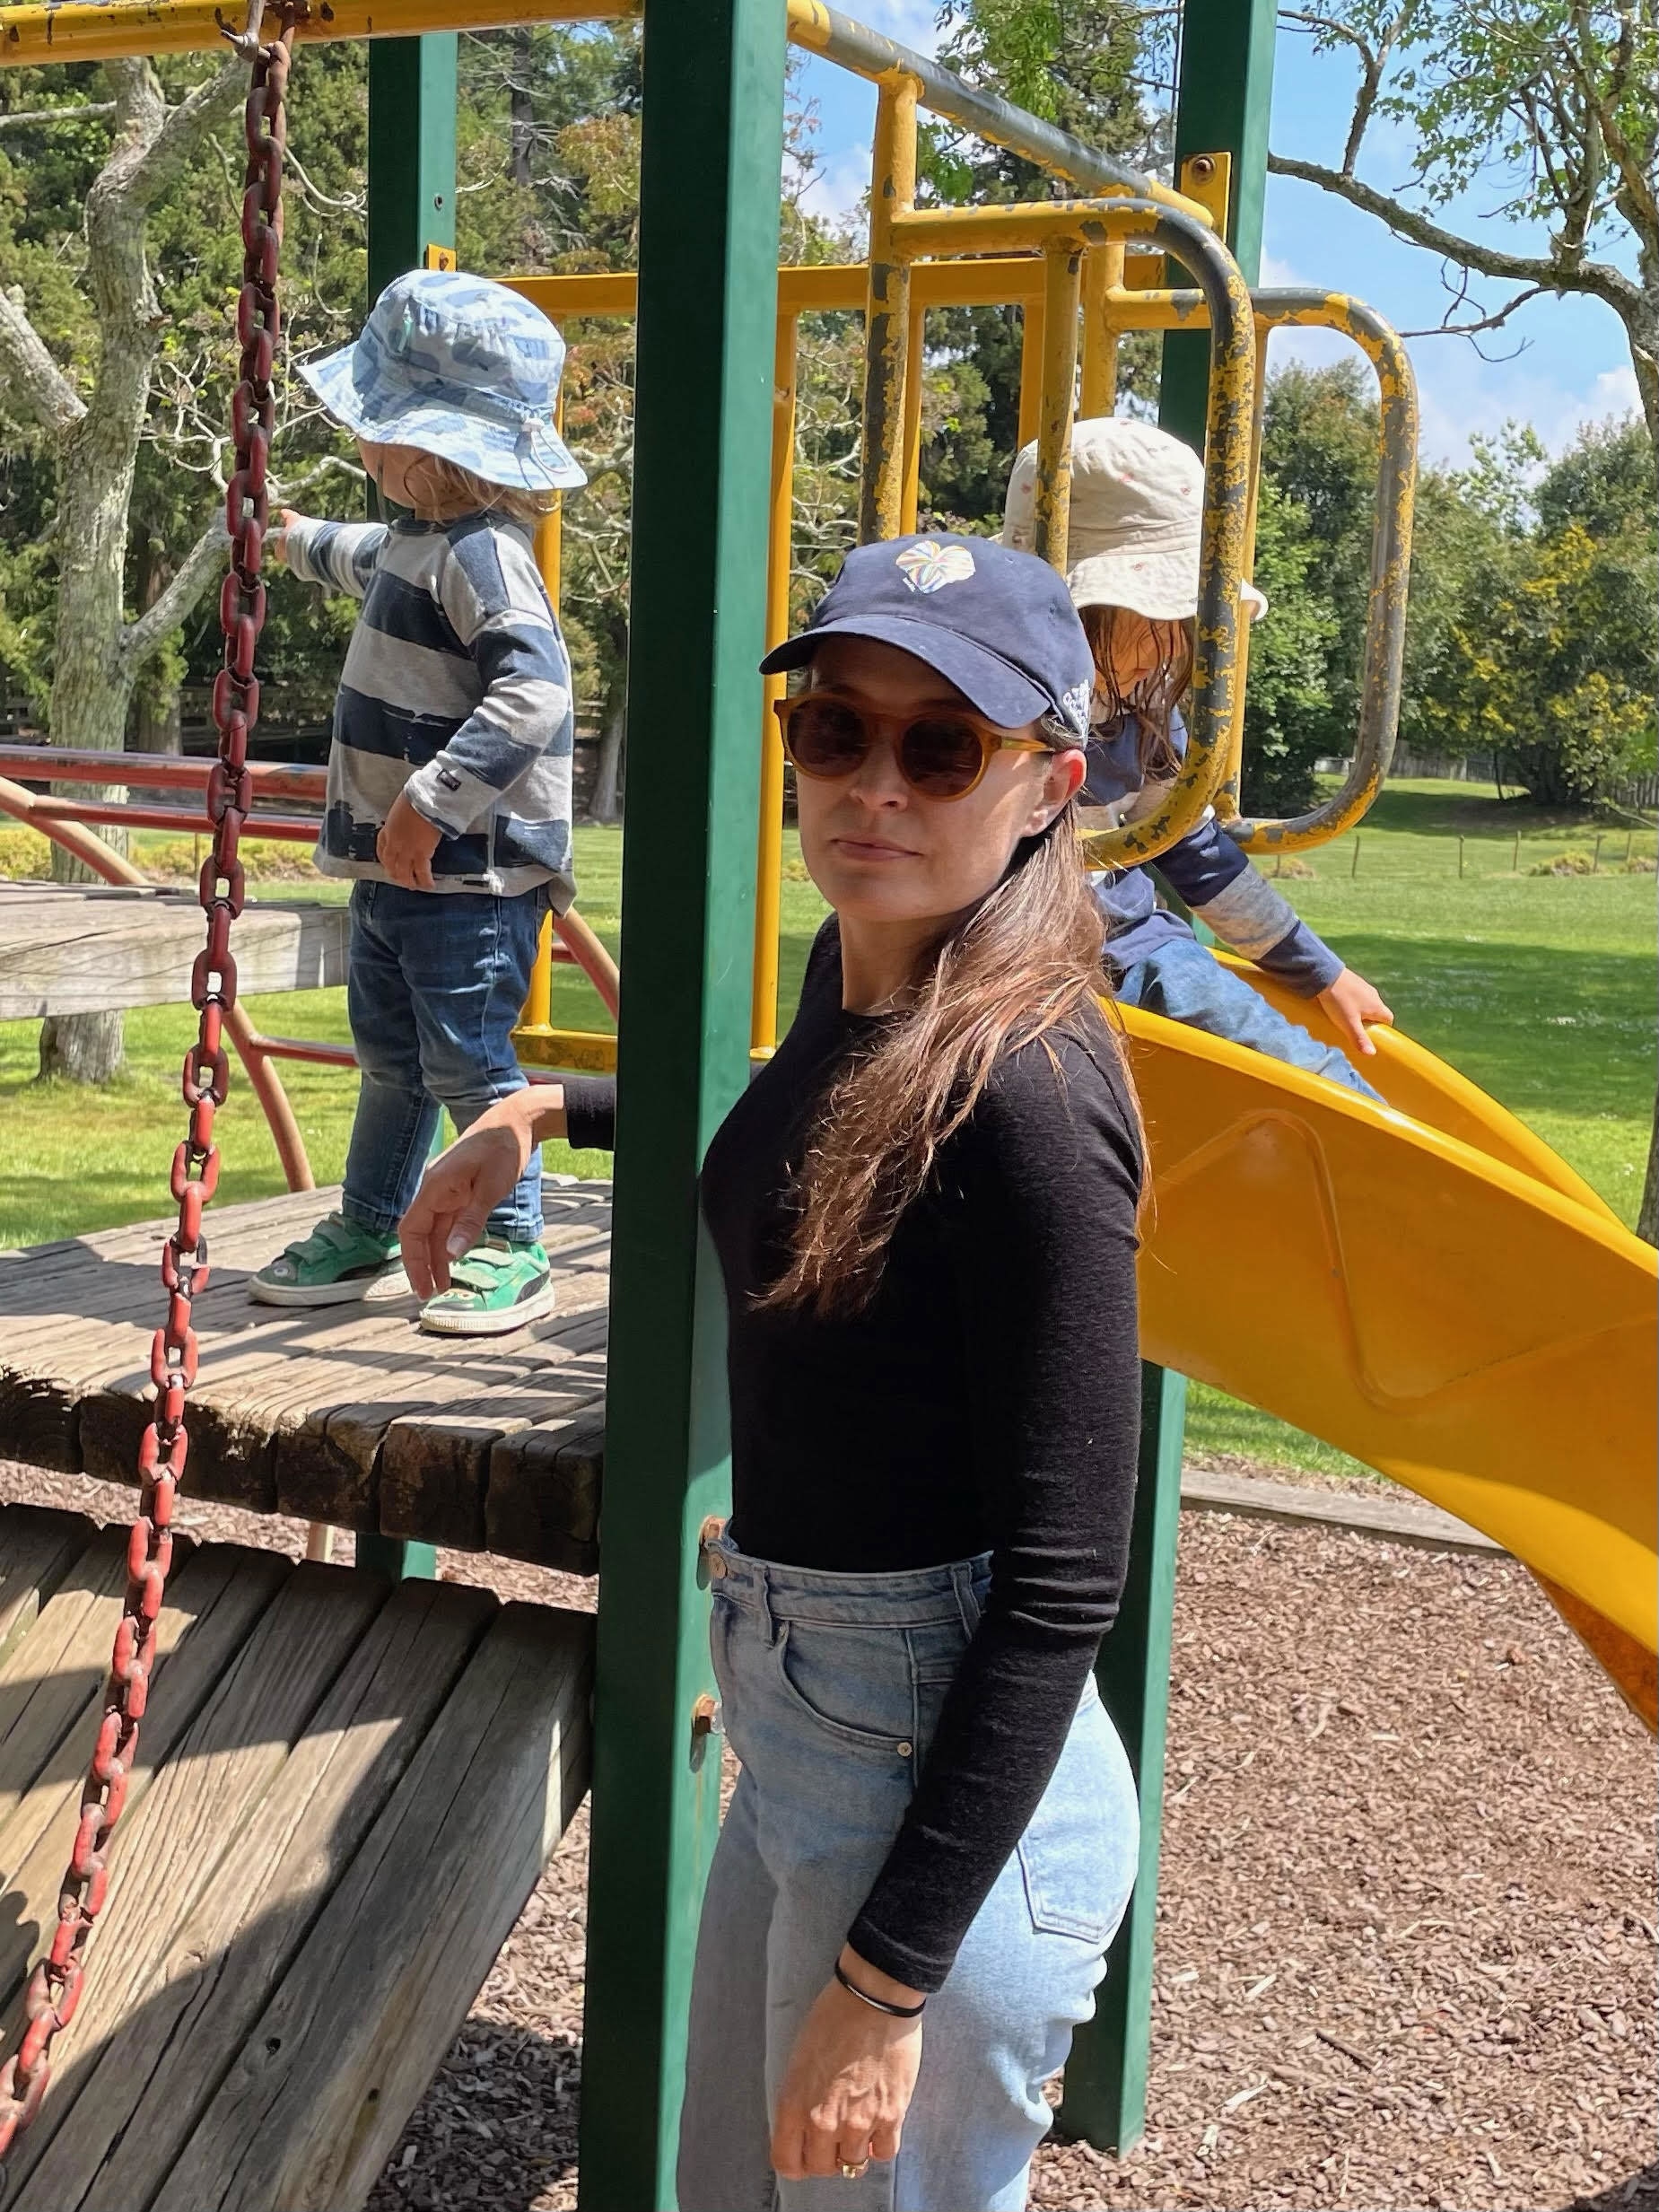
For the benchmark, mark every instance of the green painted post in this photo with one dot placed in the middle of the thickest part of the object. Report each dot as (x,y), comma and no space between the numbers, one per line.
(1223,103)
(1105,2099)
(411,206)
(708,189)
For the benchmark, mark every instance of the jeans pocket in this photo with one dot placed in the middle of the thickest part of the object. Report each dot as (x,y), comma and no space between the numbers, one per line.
(852,1684)
(1079,1854)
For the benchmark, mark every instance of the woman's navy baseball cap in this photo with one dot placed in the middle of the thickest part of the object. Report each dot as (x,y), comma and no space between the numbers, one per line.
(997,624)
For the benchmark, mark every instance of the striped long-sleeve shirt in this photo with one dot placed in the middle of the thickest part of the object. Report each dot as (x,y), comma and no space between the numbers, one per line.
(456,689)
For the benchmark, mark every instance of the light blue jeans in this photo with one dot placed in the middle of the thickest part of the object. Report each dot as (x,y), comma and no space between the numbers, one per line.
(831,1687)
(1183,983)
(435,983)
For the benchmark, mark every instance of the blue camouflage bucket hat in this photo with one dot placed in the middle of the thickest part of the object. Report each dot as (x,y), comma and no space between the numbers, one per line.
(462,368)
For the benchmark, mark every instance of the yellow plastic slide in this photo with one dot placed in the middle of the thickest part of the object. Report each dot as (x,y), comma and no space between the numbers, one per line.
(1428,1286)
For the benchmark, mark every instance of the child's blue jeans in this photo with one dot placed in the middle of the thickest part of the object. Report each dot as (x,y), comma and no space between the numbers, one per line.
(832,1687)
(1181,981)
(435,984)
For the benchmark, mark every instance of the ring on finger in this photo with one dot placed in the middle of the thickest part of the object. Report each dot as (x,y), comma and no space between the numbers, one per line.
(854,2172)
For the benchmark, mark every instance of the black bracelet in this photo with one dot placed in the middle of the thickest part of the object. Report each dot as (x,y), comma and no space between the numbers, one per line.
(879,2004)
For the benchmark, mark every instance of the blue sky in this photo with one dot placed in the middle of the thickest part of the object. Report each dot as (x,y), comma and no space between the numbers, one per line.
(1576,366)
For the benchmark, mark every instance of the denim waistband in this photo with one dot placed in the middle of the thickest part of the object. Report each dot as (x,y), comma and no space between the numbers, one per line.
(912,1597)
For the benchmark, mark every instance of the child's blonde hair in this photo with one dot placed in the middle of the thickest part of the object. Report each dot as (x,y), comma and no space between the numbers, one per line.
(1151,699)
(451,490)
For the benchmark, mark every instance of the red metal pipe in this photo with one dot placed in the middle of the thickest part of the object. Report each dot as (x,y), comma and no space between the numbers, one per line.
(302,1048)
(294,829)
(49,763)
(262,1078)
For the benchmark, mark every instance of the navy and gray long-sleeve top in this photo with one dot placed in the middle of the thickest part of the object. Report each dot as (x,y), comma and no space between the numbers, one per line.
(1205,868)
(456,690)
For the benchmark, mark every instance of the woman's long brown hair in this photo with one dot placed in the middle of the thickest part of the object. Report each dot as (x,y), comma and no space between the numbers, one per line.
(1153,700)
(1021,963)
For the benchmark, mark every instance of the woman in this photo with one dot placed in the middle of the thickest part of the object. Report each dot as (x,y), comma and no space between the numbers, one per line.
(924,1208)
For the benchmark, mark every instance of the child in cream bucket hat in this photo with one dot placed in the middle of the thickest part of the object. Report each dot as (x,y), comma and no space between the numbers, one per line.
(1137,513)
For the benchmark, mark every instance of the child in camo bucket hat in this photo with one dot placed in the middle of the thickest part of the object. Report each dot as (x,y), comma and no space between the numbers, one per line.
(460,367)
(449,771)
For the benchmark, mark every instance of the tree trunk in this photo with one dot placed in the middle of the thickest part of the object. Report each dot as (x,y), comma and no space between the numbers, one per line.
(1647,1217)
(93,678)
(521,107)
(156,722)
(605,805)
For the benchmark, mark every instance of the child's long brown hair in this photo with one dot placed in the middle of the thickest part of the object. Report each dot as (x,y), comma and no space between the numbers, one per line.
(1153,699)
(1024,961)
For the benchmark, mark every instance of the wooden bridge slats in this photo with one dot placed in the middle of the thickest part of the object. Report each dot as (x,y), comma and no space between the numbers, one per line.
(144,2097)
(213,1603)
(169,1846)
(322,2085)
(347,1414)
(41,1547)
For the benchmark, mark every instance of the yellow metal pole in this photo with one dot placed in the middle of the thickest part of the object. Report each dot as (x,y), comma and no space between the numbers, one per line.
(769,858)
(912,415)
(1064,272)
(1225,800)
(892,192)
(1030,372)
(1102,271)
(548,550)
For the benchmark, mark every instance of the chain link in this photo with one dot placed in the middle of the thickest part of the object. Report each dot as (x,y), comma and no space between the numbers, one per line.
(55,1984)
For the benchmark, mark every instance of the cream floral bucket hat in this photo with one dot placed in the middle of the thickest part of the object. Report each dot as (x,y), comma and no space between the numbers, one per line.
(1136,512)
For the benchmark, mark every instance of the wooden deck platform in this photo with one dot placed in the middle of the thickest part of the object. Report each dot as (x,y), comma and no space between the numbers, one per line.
(81,950)
(347,1414)
(344,1792)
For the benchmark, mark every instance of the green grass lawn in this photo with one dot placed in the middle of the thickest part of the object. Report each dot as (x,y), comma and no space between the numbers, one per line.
(1541,988)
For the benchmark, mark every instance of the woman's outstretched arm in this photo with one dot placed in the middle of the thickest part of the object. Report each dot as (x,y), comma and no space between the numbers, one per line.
(462,1187)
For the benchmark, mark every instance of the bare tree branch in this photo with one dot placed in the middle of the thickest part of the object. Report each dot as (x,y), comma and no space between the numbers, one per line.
(19,116)
(1599,277)
(1449,328)
(195,571)
(29,375)
(156,166)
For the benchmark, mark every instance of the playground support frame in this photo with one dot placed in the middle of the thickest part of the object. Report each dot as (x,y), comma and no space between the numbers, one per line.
(708,185)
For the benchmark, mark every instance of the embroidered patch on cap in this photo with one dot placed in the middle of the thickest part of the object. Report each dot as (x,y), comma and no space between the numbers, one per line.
(929,566)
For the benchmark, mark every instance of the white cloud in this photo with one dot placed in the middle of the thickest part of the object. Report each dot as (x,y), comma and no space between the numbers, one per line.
(913,22)
(836,194)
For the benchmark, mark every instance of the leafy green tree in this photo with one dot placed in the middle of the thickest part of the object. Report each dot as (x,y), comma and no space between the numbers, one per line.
(1548,107)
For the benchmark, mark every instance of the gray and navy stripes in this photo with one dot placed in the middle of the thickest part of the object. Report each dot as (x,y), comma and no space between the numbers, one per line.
(456,688)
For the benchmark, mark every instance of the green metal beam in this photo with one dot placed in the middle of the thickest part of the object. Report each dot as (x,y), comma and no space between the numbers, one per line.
(1223,105)
(709,192)
(1106,2093)
(411,206)
(412,85)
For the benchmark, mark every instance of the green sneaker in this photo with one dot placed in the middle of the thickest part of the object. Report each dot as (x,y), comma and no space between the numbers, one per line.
(493,1288)
(338,1261)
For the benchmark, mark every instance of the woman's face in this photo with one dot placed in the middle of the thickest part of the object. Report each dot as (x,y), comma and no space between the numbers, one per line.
(881,853)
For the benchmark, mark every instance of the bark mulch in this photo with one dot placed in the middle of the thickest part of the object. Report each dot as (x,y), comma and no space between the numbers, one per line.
(1407,1919)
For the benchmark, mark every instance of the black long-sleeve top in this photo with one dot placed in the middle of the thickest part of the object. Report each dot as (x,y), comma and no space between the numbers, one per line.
(987,1399)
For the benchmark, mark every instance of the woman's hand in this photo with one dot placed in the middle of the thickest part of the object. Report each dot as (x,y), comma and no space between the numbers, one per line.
(1351,1001)
(462,1188)
(405,846)
(851,2078)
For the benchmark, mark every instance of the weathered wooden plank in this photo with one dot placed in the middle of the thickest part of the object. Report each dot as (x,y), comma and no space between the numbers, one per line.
(55,1667)
(39,1545)
(213,1602)
(346,1414)
(1400,1519)
(542,1502)
(149,2084)
(322,2085)
(169,1847)
(76,950)
(434,1465)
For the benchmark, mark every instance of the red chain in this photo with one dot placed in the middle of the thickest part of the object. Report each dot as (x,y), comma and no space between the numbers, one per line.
(55,1986)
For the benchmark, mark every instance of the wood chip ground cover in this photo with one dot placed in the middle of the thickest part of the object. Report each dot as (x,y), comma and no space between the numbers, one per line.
(1407,1920)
